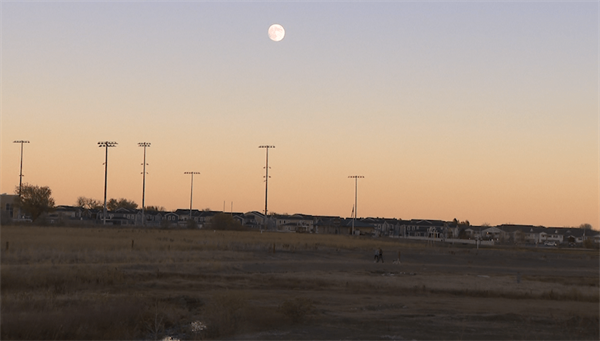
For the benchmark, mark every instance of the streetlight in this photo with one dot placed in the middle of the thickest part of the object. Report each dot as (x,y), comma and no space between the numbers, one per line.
(21,169)
(355,177)
(266,181)
(144,144)
(106,145)
(192,190)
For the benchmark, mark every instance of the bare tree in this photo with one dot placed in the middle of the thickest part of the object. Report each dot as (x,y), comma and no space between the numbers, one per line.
(88,203)
(459,223)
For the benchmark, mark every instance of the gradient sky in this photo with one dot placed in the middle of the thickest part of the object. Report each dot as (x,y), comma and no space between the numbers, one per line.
(480,111)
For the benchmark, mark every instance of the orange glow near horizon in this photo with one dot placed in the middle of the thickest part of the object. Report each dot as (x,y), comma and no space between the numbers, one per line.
(446,116)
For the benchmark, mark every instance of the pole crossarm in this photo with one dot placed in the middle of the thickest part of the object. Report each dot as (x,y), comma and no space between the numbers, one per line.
(107,144)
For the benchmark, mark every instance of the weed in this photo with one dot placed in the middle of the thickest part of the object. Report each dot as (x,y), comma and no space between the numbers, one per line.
(225,313)
(74,319)
(154,320)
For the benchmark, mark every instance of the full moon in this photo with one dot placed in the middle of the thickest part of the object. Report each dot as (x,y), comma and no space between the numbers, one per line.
(276,32)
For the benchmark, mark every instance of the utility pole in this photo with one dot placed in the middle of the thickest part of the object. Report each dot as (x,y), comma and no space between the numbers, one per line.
(21,169)
(20,173)
(355,177)
(192,190)
(266,181)
(144,144)
(106,145)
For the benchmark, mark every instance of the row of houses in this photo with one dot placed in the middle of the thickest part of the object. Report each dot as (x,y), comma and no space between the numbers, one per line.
(302,223)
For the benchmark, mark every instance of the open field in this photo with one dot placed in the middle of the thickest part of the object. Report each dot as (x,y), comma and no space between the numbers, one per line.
(108,283)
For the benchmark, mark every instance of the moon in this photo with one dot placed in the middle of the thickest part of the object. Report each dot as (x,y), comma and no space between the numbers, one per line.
(276,32)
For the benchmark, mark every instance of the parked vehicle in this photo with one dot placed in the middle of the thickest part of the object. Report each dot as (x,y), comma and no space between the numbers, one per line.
(550,244)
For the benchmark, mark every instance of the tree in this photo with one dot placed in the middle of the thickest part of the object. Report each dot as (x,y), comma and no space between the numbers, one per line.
(461,223)
(114,204)
(223,221)
(155,209)
(585,226)
(35,200)
(88,203)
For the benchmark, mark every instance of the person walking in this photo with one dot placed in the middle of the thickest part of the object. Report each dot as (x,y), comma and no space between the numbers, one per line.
(376,256)
(380,251)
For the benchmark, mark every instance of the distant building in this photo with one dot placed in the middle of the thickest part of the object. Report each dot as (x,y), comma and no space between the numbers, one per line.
(8,210)
(423,228)
(294,223)
(332,225)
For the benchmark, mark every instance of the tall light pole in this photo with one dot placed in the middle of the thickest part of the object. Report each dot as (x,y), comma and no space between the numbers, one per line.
(355,177)
(144,144)
(192,190)
(21,169)
(266,181)
(106,145)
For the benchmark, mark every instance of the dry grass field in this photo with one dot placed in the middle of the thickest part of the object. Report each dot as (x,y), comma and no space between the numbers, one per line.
(108,283)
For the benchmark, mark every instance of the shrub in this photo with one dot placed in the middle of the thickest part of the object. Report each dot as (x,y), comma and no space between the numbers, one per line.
(222,221)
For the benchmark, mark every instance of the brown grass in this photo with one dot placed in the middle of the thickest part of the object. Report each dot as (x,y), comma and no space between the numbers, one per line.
(95,283)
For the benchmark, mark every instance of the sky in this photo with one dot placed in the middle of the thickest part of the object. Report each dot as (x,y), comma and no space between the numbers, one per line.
(480,111)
